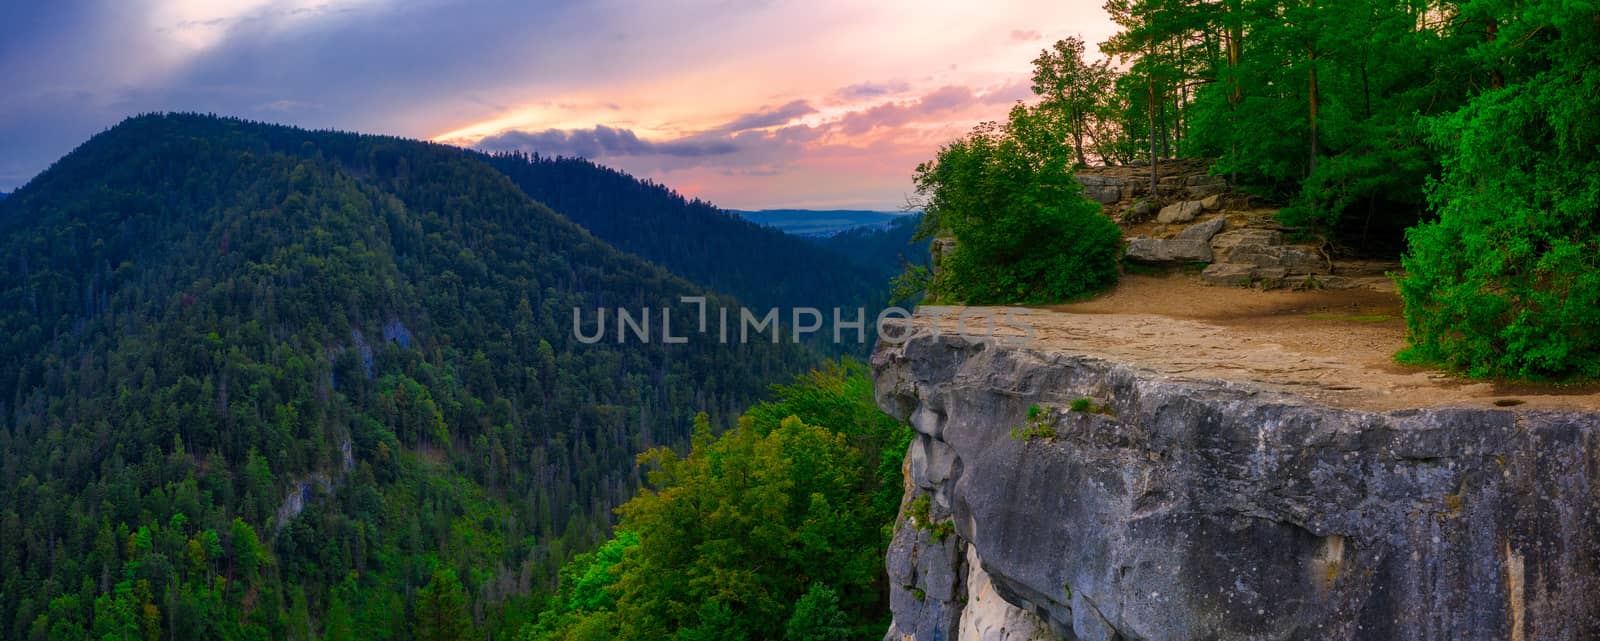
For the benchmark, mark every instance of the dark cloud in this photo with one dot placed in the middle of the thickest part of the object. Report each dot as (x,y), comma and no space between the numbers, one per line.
(603,142)
(767,118)
(74,68)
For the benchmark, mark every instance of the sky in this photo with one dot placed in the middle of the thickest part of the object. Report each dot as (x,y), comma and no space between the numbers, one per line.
(749,104)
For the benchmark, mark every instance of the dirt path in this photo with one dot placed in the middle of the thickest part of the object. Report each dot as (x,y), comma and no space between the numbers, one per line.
(1332,346)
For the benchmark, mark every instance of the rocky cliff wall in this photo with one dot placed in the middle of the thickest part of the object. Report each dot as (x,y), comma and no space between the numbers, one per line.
(1175,508)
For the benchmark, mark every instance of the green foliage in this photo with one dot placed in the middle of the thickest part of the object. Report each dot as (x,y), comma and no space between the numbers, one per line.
(1089,406)
(1366,116)
(202,318)
(748,532)
(1024,232)
(1318,104)
(441,613)
(1080,92)
(911,285)
(921,513)
(1038,424)
(1507,281)
(817,617)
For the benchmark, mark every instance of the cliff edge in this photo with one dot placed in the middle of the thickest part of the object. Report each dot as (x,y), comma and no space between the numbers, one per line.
(1168,468)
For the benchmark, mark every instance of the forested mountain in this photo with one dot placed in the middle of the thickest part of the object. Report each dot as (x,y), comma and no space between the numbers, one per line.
(885,250)
(762,266)
(260,382)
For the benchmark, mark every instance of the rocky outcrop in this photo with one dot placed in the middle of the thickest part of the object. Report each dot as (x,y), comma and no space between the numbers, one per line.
(1176,508)
(1124,191)
(1192,245)
(1255,255)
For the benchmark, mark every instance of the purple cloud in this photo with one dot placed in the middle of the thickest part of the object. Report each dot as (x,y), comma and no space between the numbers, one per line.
(767,118)
(862,90)
(601,142)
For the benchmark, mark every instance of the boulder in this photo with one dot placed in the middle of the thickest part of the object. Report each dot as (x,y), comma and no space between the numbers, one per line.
(1103,194)
(1158,250)
(1293,259)
(1303,259)
(1223,245)
(1140,210)
(1180,212)
(1203,231)
(1212,202)
(1228,274)
(1201,191)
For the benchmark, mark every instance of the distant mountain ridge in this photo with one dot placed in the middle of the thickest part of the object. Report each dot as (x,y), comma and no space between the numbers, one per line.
(761,265)
(818,222)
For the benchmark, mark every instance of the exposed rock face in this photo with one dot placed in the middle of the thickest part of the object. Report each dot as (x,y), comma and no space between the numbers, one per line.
(1254,255)
(1191,509)
(1105,190)
(1167,250)
(1121,189)
(1191,245)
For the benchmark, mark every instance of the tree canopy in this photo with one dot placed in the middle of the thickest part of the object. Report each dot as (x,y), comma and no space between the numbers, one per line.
(261,382)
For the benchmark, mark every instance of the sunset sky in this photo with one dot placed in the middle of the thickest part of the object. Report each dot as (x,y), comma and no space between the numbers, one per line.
(757,104)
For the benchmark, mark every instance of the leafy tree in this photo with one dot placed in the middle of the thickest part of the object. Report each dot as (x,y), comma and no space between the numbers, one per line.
(1023,230)
(739,537)
(1078,90)
(1507,281)
(817,617)
(441,612)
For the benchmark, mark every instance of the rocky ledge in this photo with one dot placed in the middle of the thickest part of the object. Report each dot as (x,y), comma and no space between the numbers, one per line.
(1056,493)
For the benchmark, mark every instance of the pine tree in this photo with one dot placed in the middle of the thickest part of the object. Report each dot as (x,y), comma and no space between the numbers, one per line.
(441,613)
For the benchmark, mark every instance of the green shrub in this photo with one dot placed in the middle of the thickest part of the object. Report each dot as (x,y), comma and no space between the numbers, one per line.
(1507,281)
(1024,232)
(1038,426)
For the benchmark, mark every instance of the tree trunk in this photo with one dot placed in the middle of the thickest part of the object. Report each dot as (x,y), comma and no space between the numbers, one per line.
(1311,54)
(1313,76)
(1077,135)
(1150,86)
(1496,80)
(1235,45)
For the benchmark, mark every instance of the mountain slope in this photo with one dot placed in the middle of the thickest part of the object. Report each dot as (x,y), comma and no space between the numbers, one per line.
(763,267)
(260,382)
(885,249)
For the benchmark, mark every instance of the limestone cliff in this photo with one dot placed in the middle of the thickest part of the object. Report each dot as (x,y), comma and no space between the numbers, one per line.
(1175,506)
